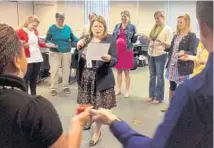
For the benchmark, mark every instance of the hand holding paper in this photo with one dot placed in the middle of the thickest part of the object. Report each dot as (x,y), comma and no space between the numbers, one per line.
(97,52)
(106,58)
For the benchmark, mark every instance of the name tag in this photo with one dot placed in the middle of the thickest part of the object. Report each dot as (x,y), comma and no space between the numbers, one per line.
(89,64)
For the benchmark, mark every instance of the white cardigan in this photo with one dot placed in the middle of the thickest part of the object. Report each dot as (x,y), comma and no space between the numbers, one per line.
(155,47)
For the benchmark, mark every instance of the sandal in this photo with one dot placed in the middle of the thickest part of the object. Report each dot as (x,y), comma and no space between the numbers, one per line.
(118,93)
(149,99)
(156,102)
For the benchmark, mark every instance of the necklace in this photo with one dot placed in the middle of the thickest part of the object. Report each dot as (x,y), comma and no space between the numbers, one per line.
(9,87)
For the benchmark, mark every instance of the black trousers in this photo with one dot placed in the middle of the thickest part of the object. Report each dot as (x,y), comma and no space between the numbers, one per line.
(32,75)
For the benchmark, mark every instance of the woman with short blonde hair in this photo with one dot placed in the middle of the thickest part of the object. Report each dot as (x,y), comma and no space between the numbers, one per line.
(31,19)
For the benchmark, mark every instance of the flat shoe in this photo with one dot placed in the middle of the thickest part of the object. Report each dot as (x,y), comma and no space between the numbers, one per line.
(93,142)
(86,128)
(164,110)
(126,95)
(118,93)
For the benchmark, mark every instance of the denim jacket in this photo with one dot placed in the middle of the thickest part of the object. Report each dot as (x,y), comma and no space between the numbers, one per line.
(130,32)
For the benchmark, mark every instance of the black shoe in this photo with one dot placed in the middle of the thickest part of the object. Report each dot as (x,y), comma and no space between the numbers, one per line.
(85,128)
(93,143)
(72,80)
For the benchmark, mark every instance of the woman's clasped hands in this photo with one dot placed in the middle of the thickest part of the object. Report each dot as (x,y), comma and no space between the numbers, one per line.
(103,116)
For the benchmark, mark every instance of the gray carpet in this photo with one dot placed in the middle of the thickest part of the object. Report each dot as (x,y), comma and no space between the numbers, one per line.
(148,116)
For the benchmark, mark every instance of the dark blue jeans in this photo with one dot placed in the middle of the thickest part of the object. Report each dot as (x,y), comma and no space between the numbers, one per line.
(156,82)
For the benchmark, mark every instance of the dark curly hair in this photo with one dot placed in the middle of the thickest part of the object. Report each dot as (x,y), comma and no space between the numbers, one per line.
(10,46)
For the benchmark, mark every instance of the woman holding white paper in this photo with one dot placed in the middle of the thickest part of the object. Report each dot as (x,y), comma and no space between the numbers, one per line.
(95,77)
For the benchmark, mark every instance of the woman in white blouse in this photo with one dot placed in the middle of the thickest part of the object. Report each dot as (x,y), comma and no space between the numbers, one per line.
(160,39)
(28,34)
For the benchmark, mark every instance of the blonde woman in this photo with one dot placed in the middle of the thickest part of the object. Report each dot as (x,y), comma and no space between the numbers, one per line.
(29,35)
(184,41)
(95,78)
(160,39)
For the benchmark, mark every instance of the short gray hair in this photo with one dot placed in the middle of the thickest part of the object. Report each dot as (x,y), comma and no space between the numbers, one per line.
(204,11)
(60,15)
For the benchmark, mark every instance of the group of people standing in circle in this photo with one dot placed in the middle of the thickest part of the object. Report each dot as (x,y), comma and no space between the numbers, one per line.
(180,46)
(177,52)
(96,82)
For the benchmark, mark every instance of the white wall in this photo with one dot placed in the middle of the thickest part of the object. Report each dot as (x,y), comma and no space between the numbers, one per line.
(146,14)
(15,13)
(46,12)
(141,13)
(25,10)
(74,14)
(177,8)
(9,10)
(116,7)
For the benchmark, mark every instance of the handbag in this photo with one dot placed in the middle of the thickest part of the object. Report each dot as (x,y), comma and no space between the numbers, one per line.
(135,63)
(185,67)
(74,58)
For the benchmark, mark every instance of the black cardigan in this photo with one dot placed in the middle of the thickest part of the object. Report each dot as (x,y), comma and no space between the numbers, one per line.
(104,74)
(188,44)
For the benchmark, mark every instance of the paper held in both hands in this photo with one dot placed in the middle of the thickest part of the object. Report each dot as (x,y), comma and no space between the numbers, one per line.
(95,51)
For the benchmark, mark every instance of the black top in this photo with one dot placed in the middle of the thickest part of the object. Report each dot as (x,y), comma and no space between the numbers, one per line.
(26,121)
(104,74)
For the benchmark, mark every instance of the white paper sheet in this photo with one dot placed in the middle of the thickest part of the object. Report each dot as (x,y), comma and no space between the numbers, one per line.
(96,50)
(72,50)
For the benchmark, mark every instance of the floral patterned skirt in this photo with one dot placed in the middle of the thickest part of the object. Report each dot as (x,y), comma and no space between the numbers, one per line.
(172,75)
(88,94)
